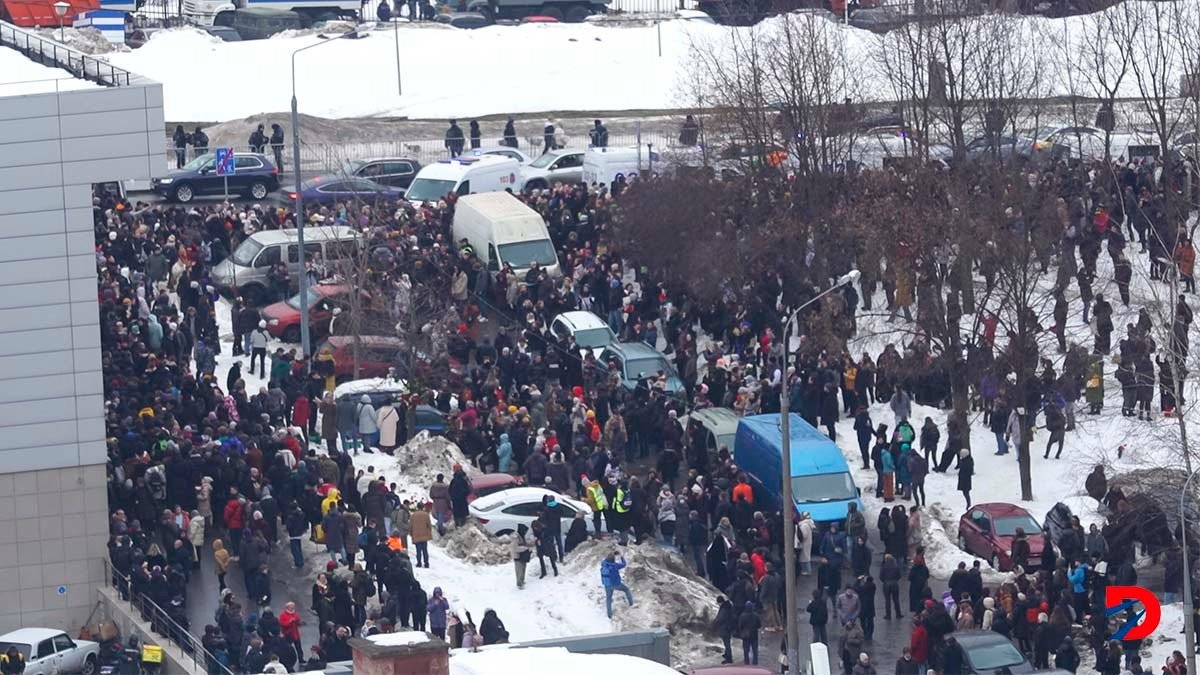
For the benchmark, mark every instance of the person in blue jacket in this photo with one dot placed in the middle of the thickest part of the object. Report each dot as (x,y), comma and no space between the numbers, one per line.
(610,576)
(1078,579)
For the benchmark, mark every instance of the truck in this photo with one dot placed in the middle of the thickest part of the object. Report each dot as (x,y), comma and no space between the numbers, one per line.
(571,11)
(504,231)
(821,480)
(603,165)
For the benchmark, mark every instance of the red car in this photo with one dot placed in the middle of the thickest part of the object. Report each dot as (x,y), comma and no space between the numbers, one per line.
(283,318)
(988,531)
(377,353)
(482,486)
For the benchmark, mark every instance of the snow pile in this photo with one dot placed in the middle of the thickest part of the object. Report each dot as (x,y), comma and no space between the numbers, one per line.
(401,639)
(86,40)
(939,536)
(520,661)
(19,76)
(474,545)
(425,456)
(666,593)
(323,28)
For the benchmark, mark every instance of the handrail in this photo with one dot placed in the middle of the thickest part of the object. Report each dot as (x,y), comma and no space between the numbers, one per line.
(188,643)
(77,63)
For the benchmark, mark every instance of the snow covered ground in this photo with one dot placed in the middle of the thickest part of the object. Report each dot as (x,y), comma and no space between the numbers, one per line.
(21,77)
(449,72)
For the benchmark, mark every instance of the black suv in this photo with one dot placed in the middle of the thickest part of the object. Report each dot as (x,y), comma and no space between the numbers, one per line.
(254,176)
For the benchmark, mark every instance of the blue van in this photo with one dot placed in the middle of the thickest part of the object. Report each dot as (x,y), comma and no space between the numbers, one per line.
(821,480)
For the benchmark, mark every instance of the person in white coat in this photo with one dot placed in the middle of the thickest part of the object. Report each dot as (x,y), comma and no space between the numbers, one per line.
(368,423)
(195,534)
(388,418)
(1015,428)
(804,540)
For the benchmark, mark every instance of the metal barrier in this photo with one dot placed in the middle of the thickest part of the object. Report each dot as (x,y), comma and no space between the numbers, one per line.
(57,55)
(317,158)
(162,625)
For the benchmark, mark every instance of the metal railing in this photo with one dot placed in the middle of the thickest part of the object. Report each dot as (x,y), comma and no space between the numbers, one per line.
(162,625)
(317,158)
(57,55)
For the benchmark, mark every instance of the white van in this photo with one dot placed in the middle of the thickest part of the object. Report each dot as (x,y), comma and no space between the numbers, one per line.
(502,230)
(602,165)
(464,176)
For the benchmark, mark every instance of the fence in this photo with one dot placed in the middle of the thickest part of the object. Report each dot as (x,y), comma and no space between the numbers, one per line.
(53,54)
(162,625)
(319,158)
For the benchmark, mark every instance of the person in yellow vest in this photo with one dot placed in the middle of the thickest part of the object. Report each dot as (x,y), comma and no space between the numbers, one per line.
(622,503)
(596,499)
(12,662)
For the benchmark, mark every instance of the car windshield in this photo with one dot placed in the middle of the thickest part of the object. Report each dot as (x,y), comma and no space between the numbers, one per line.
(522,254)
(351,168)
(593,338)
(313,297)
(244,254)
(989,657)
(544,161)
(823,487)
(24,649)
(198,162)
(429,190)
(1007,526)
(639,368)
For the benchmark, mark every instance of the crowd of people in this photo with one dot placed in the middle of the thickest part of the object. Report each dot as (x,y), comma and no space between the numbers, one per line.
(204,469)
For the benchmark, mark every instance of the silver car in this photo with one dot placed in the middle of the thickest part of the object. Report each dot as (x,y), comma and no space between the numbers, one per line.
(48,651)
(556,166)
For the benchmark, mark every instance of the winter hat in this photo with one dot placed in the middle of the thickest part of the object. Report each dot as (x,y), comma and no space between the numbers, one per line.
(1042,618)
(1021,597)
(862,657)
(262,324)
(989,603)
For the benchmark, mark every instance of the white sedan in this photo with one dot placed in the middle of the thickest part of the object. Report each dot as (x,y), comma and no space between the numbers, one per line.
(48,651)
(501,512)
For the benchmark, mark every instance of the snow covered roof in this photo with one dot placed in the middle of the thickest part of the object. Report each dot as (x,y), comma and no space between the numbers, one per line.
(402,639)
(522,661)
(20,77)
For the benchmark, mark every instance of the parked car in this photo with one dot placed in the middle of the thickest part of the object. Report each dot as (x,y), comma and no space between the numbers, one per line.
(464,19)
(590,331)
(556,166)
(254,177)
(226,33)
(383,389)
(501,512)
(719,427)
(48,651)
(246,272)
(283,318)
(396,172)
(491,483)
(1010,147)
(636,360)
(1075,142)
(503,152)
(988,531)
(376,355)
(988,652)
(337,188)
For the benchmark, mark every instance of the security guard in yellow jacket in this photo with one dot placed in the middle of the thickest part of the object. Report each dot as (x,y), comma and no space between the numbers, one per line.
(12,662)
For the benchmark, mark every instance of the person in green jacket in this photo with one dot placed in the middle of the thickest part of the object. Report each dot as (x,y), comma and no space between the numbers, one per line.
(1094,388)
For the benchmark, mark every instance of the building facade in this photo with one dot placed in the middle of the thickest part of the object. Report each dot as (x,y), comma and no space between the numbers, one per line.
(55,143)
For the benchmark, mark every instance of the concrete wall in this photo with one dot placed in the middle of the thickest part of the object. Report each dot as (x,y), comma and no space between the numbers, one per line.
(52,451)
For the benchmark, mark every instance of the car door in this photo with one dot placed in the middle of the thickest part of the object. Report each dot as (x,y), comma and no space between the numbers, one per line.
(245,172)
(973,536)
(396,174)
(566,514)
(312,249)
(567,169)
(70,659)
(42,659)
(558,328)
(524,512)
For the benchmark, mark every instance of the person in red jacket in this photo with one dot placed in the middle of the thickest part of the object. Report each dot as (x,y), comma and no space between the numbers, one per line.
(743,491)
(235,519)
(919,644)
(301,412)
(289,627)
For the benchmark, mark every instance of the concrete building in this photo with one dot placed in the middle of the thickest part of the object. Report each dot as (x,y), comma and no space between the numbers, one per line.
(62,129)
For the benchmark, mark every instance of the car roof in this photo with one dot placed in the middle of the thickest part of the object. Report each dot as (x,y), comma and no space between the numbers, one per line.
(386,159)
(582,320)
(492,480)
(330,289)
(322,233)
(635,350)
(30,635)
(719,420)
(1000,509)
(518,495)
(812,451)
(970,638)
(340,341)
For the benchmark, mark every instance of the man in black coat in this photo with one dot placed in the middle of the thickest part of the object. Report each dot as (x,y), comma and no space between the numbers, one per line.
(454,139)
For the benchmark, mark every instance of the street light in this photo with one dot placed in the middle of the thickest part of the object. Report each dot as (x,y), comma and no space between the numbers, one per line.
(785,464)
(396,37)
(60,8)
(1189,637)
(354,34)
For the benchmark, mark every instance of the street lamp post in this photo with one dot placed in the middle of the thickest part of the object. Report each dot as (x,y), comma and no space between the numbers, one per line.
(304,331)
(1189,637)
(60,8)
(789,523)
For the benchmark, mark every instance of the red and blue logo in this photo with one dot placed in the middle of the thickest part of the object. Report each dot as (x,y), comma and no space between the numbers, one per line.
(1139,623)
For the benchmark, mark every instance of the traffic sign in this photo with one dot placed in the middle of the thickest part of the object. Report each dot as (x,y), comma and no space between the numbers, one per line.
(225,165)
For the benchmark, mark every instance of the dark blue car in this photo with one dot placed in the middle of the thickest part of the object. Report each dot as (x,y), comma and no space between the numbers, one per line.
(254,176)
(337,188)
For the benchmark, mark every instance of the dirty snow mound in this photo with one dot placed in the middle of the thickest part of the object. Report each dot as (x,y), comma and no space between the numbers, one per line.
(321,28)
(475,546)
(413,467)
(667,594)
(939,535)
(86,40)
